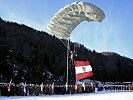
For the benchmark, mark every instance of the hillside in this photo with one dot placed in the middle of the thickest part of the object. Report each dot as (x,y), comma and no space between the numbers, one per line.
(35,56)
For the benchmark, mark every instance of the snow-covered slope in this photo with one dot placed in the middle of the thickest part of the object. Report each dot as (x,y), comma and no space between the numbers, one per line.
(88,96)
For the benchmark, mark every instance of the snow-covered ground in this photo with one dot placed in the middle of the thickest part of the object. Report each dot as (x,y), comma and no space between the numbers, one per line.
(87,96)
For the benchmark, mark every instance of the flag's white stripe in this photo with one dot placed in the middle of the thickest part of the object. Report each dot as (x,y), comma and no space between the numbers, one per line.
(79,69)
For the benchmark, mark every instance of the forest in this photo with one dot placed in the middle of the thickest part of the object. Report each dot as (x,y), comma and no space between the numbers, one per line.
(27,54)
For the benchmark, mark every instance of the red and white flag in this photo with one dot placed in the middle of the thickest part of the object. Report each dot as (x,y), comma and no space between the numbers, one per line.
(83,69)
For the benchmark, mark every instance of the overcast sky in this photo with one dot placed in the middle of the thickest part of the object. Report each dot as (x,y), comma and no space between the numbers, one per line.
(113,34)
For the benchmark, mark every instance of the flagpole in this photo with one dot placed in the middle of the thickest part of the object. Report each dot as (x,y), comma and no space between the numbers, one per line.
(68,48)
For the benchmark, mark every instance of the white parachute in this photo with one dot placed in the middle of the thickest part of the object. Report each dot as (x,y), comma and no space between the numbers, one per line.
(67,18)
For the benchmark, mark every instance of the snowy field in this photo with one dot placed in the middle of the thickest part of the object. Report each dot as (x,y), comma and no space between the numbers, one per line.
(89,96)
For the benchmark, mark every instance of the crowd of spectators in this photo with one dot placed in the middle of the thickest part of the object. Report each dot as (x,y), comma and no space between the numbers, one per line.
(24,89)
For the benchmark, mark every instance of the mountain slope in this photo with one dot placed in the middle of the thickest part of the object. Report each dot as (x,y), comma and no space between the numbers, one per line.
(28,54)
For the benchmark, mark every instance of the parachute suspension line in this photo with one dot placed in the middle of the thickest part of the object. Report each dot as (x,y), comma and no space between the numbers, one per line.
(74,47)
(65,44)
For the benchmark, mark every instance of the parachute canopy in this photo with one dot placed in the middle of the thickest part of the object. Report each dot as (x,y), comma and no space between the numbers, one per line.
(67,18)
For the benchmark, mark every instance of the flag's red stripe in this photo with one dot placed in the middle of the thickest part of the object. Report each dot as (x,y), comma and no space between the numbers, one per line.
(81,63)
(83,75)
